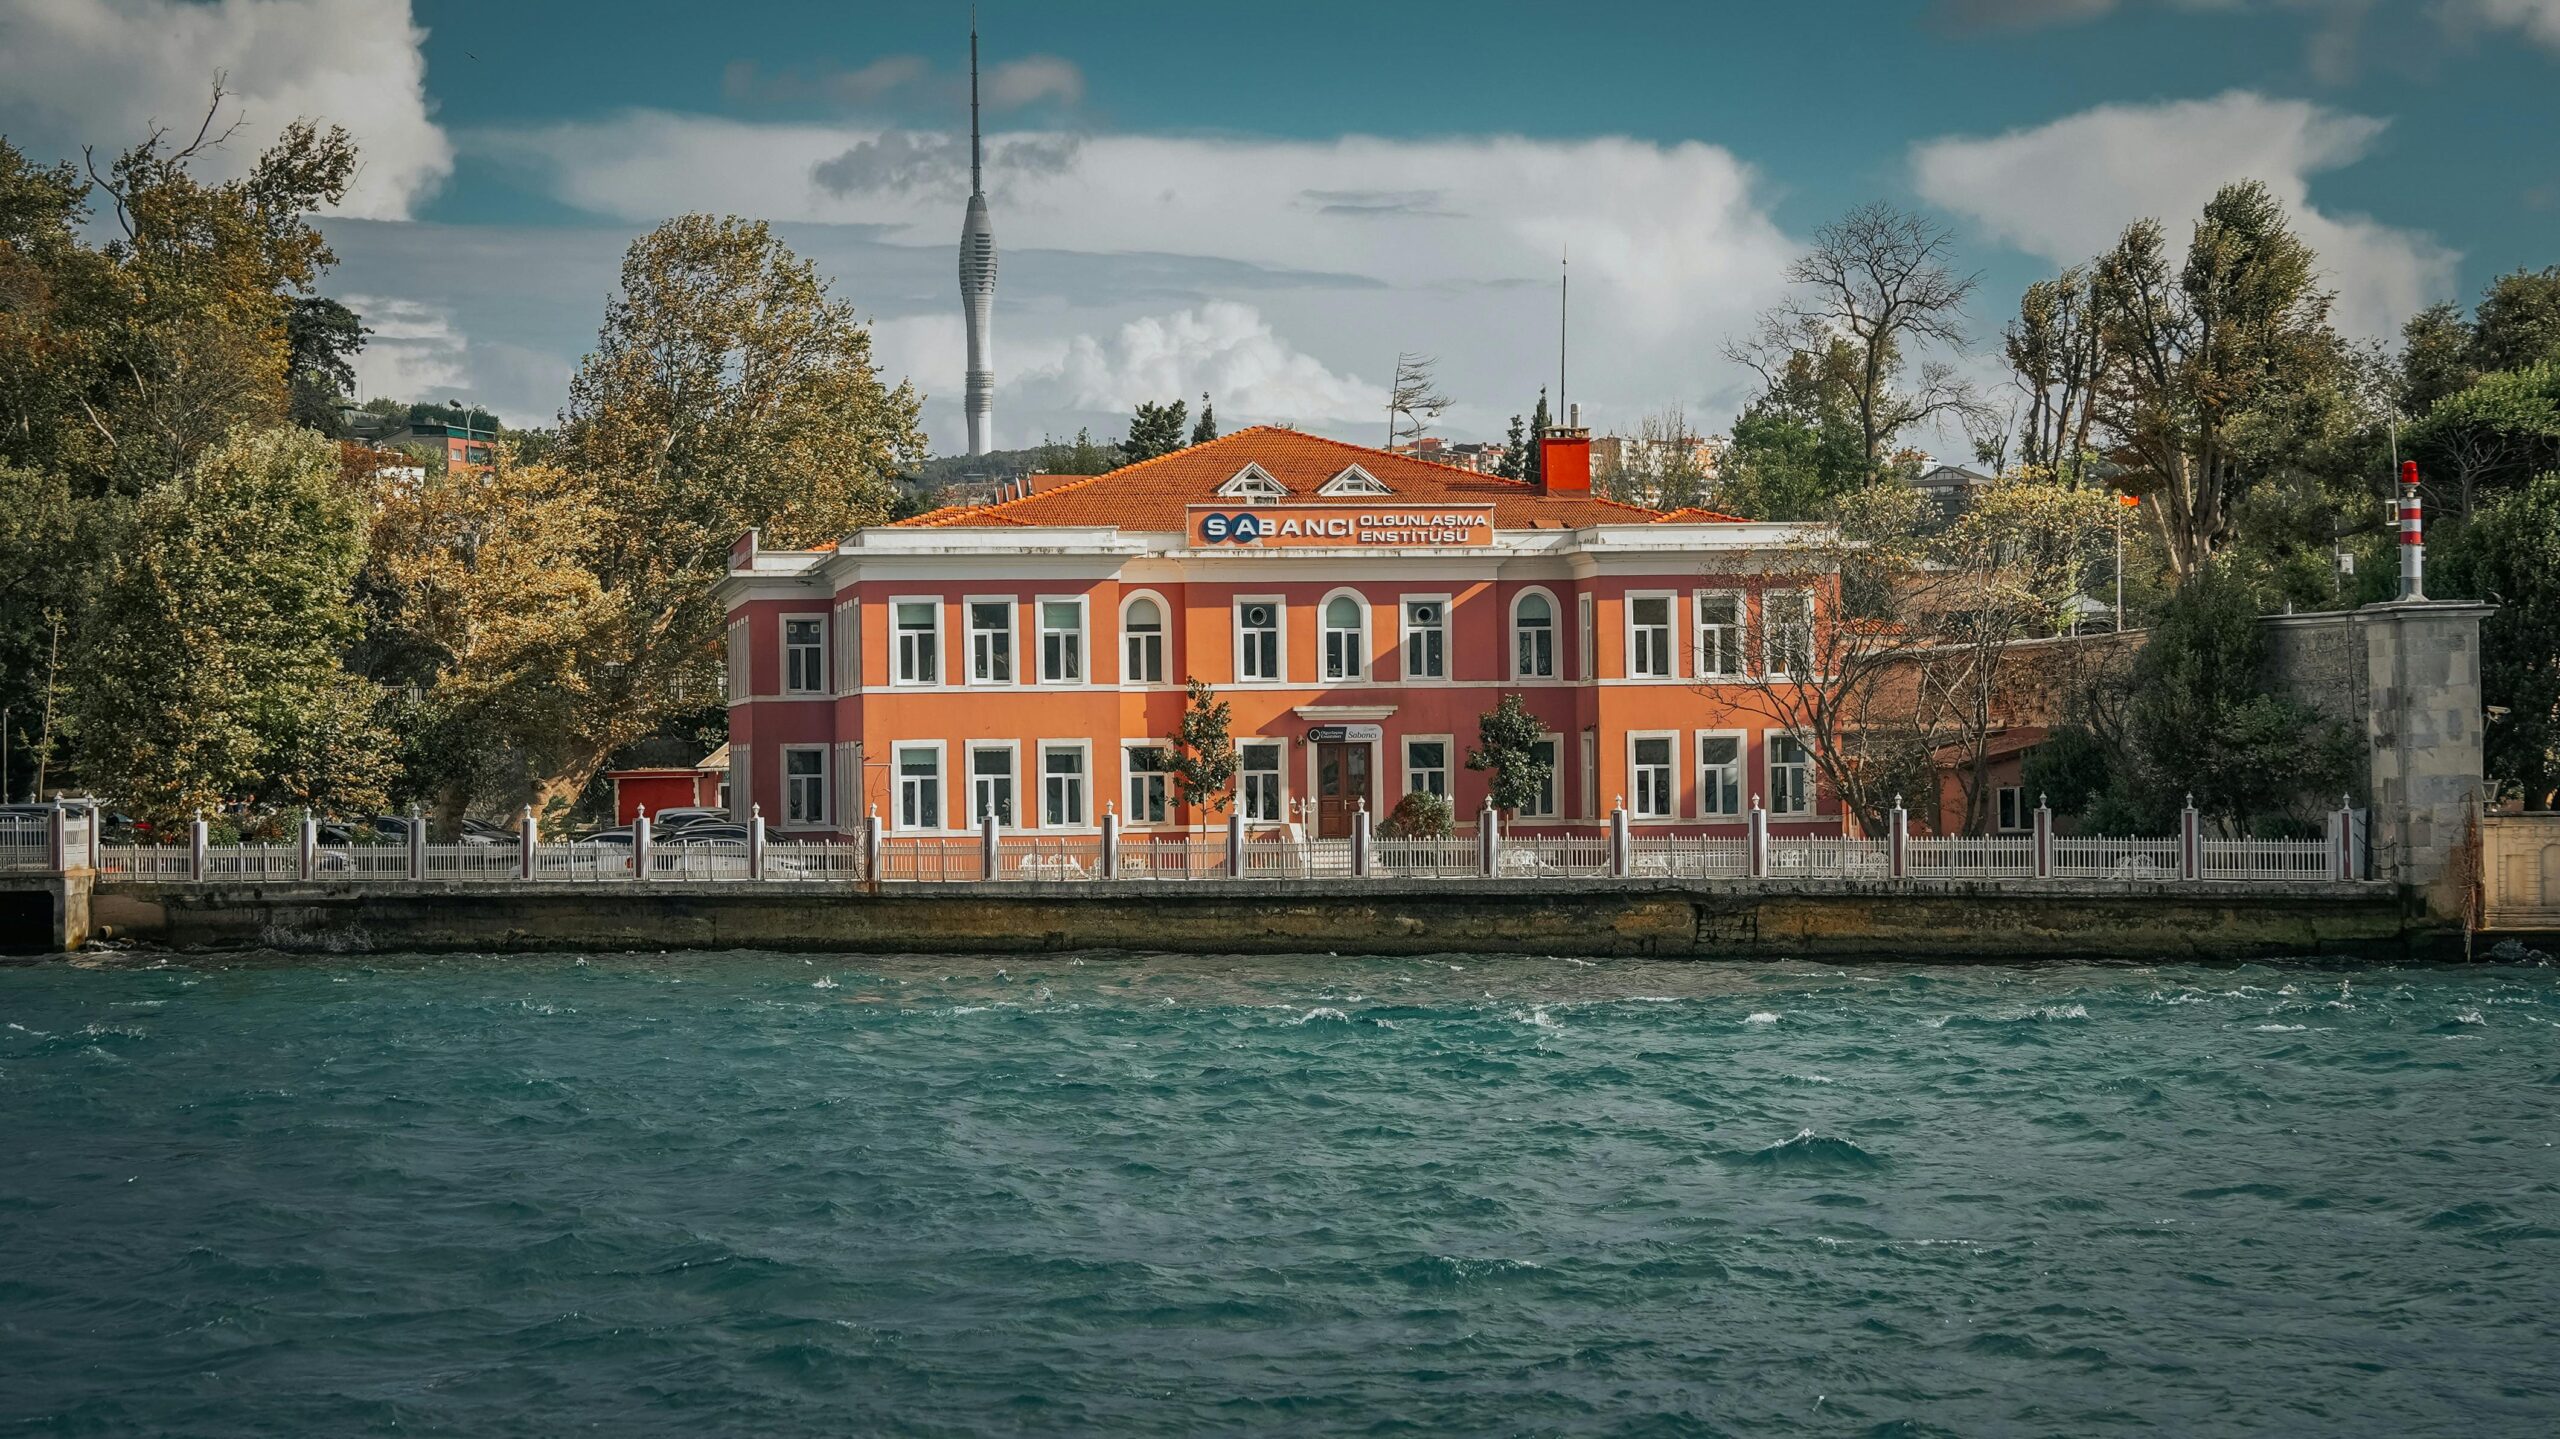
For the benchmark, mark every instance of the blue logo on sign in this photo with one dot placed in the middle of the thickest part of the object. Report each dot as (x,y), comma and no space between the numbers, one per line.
(1231,529)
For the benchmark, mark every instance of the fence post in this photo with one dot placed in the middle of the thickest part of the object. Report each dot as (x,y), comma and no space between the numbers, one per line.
(1897,839)
(1360,841)
(2341,829)
(987,844)
(97,838)
(1621,856)
(417,844)
(307,847)
(2044,838)
(59,837)
(640,845)
(1759,843)
(755,841)
(197,838)
(871,845)
(1235,845)
(1489,841)
(526,840)
(1110,840)
(2190,840)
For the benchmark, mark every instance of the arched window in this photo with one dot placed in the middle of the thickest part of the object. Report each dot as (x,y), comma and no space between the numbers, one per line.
(1346,638)
(1142,625)
(1533,627)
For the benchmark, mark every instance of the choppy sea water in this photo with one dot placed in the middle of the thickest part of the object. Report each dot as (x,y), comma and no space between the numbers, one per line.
(1135,1196)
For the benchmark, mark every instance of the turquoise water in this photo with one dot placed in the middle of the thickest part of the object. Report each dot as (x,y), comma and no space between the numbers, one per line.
(773,1195)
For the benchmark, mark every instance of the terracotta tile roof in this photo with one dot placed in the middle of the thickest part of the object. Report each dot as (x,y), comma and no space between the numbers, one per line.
(1152,494)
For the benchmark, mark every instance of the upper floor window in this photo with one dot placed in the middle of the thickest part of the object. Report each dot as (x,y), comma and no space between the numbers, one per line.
(1143,629)
(1649,637)
(1533,627)
(1426,639)
(804,657)
(1583,633)
(1061,641)
(991,642)
(1346,639)
(1257,640)
(1786,623)
(919,624)
(1790,776)
(1649,763)
(1719,635)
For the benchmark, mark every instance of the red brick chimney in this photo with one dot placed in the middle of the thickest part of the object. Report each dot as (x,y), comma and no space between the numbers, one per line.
(1564,457)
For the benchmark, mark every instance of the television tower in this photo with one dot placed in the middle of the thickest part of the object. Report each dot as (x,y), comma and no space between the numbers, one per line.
(978,276)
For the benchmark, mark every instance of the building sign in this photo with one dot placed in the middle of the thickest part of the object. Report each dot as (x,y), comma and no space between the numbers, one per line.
(1345,733)
(1351,527)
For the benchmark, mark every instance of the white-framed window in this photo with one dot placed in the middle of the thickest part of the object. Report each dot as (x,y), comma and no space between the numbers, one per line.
(1652,761)
(1252,483)
(919,785)
(741,684)
(1790,776)
(1150,798)
(2011,800)
(1720,774)
(846,649)
(1062,641)
(1549,748)
(1062,784)
(1649,637)
(1590,775)
(991,642)
(1719,634)
(1426,765)
(1426,637)
(919,630)
(804,784)
(1786,633)
(1260,782)
(1142,640)
(1587,664)
(1259,652)
(804,654)
(1346,638)
(1533,635)
(991,783)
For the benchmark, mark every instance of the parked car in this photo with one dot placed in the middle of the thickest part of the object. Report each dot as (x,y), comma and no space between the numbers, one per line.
(673,821)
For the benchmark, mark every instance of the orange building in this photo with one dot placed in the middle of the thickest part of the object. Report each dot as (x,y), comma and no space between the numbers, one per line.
(1358,610)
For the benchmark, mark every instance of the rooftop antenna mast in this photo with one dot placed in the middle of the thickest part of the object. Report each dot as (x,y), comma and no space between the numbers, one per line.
(976,180)
(1564,304)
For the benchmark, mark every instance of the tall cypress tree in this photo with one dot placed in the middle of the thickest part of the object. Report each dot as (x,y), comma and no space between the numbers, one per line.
(1535,469)
(1207,430)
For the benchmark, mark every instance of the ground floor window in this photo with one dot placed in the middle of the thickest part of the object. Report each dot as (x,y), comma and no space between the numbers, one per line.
(1258,783)
(1720,776)
(991,784)
(804,784)
(1543,806)
(1062,785)
(1149,786)
(919,787)
(2013,807)
(1649,774)
(1790,776)
(1426,767)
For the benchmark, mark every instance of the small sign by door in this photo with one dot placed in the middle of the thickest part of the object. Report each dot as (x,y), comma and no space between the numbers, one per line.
(1345,734)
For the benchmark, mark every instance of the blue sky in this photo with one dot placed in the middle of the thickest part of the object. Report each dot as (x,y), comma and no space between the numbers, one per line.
(1269,202)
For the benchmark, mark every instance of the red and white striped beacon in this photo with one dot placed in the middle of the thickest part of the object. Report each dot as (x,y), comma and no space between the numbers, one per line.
(2413,536)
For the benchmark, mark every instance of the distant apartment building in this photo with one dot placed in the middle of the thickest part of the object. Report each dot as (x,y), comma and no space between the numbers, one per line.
(463,438)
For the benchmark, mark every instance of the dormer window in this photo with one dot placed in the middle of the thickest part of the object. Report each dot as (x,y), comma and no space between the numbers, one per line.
(1252,483)
(1354,481)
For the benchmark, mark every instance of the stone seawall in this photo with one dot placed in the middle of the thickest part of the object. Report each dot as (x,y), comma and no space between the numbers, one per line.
(1777,919)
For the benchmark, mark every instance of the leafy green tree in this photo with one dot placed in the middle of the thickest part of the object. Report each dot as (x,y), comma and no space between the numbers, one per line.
(43,584)
(1533,467)
(729,390)
(1207,430)
(2054,355)
(2510,555)
(1506,747)
(2201,360)
(2437,357)
(210,670)
(2490,434)
(1154,430)
(1418,815)
(2204,722)
(1201,761)
(1796,450)
(2070,771)
(321,337)
(2518,320)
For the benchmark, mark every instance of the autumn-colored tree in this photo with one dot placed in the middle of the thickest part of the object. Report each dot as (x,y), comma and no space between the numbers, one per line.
(728,391)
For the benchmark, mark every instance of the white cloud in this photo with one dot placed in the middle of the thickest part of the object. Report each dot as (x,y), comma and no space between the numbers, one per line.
(413,353)
(102,72)
(2064,190)
(2539,19)
(1008,84)
(1442,245)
